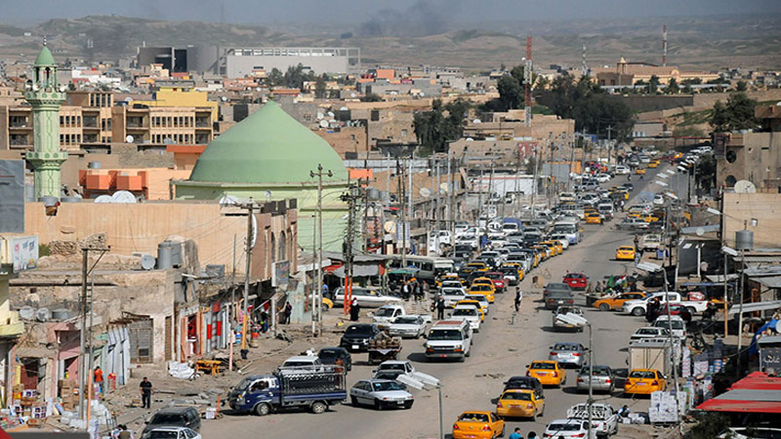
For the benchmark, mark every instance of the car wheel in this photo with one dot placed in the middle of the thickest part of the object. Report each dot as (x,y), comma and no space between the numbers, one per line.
(691,310)
(542,412)
(377,404)
(262,409)
(408,405)
(638,312)
(604,307)
(319,407)
(354,401)
(469,353)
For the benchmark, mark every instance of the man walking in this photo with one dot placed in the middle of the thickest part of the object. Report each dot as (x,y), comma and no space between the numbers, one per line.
(516,434)
(98,380)
(146,393)
(517,301)
(440,308)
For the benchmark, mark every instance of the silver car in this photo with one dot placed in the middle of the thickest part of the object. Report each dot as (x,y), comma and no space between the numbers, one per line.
(602,380)
(409,326)
(380,394)
(567,353)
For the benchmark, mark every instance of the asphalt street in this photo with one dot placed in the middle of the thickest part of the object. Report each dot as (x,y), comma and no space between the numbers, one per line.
(505,345)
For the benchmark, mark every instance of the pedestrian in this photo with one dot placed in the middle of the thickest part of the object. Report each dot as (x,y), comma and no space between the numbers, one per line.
(325,290)
(517,301)
(516,434)
(405,291)
(115,432)
(637,242)
(355,310)
(653,308)
(532,435)
(288,311)
(624,411)
(440,308)
(263,321)
(622,205)
(598,287)
(146,393)
(124,433)
(98,380)
(703,270)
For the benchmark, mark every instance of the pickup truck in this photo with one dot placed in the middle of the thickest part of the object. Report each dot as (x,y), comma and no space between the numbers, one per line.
(313,390)
(604,418)
(693,302)
(651,241)
(388,313)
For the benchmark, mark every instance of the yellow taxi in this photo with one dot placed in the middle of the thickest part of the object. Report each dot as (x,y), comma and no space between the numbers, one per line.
(475,303)
(557,245)
(518,267)
(484,289)
(478,425)
(327,303)
(653,164)
(640,171)
(644,382)
(625,253)
(475,266)
(520,403)
(625,193)
(616,302)
(552,249)
(449,276)
(547,372)
(649,218)
(543,251)
(593,218)
(677,155)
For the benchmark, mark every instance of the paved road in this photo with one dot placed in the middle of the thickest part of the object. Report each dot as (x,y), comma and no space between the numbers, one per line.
(505,344)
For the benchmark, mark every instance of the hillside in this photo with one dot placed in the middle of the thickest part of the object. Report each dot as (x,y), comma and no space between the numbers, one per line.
(706,43)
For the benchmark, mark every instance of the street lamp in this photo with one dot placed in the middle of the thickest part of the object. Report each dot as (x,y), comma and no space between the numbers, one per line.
(422,381)
(579,321)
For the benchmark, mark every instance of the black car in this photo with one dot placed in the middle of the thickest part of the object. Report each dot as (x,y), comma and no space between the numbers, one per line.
(559,298)
(522,382)
(330,355)
(558,287)
(357,336)
(175,417)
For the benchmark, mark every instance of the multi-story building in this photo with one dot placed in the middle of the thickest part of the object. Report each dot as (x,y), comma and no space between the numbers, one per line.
(628,74)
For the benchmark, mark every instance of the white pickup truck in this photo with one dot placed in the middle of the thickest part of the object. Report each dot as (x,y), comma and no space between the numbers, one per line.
(604,419)
(638,307)
(651,241)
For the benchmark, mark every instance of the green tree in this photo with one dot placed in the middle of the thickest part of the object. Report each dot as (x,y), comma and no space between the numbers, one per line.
(687,88)
(434,129)
(672,87)
(320,89)
(511,93)
(276,77)
(736,114)
(741,86)
(371,97)
(653,85)
(706,173)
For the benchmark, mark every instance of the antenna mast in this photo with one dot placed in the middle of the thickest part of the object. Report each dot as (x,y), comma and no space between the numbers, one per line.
(664,45)
(527,79)
(584,68)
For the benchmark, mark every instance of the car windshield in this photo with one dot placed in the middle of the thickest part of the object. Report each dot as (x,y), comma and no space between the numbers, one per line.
(564,427)
(407,320)
(473,417)
(518,396)
(465,312)
(494,276)
(642,374)
(444,334)
(385,312)
(481,287)
(243,384)
(452,292)
(166,434)
(476,297)
(327,354)
(167,419)
(598,370)
(386,386)
(664,324)
(647,331)
(359,330)
(392,366)
(565,228)
(543,366)
(565,347)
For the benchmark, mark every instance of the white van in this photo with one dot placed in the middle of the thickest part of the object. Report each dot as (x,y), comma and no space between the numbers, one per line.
(570,229)
(449,339)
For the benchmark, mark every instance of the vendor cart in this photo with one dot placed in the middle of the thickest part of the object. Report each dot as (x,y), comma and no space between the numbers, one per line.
(384,350)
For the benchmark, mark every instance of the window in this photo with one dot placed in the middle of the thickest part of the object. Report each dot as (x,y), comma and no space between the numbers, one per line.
(403,133)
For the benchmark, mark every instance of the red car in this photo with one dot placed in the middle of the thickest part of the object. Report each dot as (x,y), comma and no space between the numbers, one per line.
(676,309)
(576,281)
(497,278)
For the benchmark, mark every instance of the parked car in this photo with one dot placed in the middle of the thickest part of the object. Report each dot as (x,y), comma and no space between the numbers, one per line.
(391,369)
(557,324)
(172,433)
(357,336)
(330,355)
(676,322)
(644,381)
(478,425)
(616,302)
(555,287)
(408,326)
(380,394)
(568,353)
(676,309)
(566,429)
(174,417)
(388,313)
(649,332)
(302,362)
(559,298)
(367,297)
(602,379)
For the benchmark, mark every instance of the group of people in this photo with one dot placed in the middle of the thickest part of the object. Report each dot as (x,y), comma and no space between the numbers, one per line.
(413,288)
(516,434)
(121,432)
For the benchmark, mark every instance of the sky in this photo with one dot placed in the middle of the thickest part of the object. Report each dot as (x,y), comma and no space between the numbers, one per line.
(358,11)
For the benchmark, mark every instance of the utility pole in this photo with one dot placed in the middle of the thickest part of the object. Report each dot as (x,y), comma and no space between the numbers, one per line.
(403,211)
(319,290)
(349,197)
(536,173)
(571,161)
(609,146)
(232,309)
(87,296)
(450,205)
(669,319)
(248,255)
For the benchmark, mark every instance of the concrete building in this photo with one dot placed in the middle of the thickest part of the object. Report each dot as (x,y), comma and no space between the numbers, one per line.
(629,74)
(270,156)
(237,62)
(752,156)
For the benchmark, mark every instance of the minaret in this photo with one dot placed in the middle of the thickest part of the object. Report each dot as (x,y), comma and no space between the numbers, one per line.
(45,96)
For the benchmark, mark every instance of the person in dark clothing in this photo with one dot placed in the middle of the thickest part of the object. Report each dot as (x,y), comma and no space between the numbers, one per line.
(440,308)
(288,311)
(653,308)
(517,301)
(355,310)
(146,393)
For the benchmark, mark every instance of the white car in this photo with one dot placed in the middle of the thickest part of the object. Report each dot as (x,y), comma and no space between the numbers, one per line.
(468,313)
(409,326)
(603,415)
(172,433)
(659,199)
(380,394)
(649,332)
(388,313)
(367,297)
(481,299)
(568,429)
(676,322)
(452,295)
(603,178)
(622,170)
(562,238)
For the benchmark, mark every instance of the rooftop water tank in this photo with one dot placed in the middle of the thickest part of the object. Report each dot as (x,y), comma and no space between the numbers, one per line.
(744,240)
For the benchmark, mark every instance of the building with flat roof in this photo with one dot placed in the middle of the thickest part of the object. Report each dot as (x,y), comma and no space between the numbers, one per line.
(236,62)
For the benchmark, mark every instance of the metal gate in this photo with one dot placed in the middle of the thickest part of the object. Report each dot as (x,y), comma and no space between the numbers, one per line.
(141,340)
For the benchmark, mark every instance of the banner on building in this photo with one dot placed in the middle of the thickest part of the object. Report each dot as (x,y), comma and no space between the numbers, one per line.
(21,251)
(280,274)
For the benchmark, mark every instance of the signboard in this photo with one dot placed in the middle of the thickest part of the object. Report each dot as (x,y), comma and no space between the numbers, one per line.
(21,251)
(526,149)
(280,274)
(12,196)
(720,141)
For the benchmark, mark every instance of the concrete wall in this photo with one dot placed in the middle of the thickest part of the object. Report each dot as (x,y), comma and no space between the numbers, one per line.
(757,159)
(766,208)
(708,99)
(639,103)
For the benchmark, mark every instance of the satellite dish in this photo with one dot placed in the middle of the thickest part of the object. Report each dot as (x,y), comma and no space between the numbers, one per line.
(43,314)
(228,200)
(323,124)
(422,94)
(320,116)
(700,231)
(224,99)
(425,192)
(330,114)
(389,227)
(104,199)
(147,262)
(128,99)
(469,139)
(268,195)
(124,197)
(477,121)
(352,95)
(344,109)
(129,139)
(745,187)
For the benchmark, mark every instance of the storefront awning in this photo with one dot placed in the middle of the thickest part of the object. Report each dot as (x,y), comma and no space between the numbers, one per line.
(756,306)
(744,401)
(358,271)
